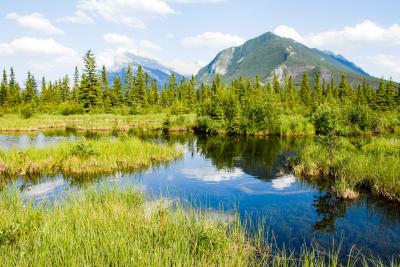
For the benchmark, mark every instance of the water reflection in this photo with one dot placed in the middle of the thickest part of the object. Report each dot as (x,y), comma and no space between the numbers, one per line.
(250,176)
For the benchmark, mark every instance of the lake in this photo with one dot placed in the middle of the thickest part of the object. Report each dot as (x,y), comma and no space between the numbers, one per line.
(249,176)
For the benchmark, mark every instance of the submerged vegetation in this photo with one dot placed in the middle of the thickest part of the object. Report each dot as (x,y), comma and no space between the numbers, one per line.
(354,164)
(85,158)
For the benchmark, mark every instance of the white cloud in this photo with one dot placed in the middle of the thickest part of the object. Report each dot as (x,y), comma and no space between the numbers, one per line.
(185,67)
(35,46)
(362,42)
(119,39)
(213,40)
(79,17)
(283,182)
(195,1)
(146,44)
(42,56)
(366,32)
(212,175)
(35,21)
(382,64)
(131,13)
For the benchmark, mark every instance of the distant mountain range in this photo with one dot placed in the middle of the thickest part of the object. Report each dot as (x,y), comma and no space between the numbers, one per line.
(265,55)
(270,54)
(153,68)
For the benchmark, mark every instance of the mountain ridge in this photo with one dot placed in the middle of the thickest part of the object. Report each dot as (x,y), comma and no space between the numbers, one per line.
(268,54)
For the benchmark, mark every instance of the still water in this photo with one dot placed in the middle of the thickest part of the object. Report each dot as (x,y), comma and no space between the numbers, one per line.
(249,176)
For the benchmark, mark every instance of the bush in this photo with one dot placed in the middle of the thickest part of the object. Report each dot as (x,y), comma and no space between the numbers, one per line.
(70,108)
(207,125)
(326,120)
(26,111)
(361,117)
(83,150)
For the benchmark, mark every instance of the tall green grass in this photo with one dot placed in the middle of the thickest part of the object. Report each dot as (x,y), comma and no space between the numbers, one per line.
(115,227)
(85,157)
(355,163)
(98,122)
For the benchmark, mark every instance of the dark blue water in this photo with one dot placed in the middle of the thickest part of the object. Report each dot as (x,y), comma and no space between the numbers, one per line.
(250,176)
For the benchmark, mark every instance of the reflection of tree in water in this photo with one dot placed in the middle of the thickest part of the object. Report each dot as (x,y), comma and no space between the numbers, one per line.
(261,157)
(330,208)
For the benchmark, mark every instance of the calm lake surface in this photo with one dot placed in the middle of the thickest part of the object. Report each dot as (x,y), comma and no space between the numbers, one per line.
(249,176)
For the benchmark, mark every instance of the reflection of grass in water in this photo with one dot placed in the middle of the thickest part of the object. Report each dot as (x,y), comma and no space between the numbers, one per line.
(85,158)
(110,226)
(354,164)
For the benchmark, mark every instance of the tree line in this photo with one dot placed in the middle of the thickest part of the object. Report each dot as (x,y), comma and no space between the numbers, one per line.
(242,105)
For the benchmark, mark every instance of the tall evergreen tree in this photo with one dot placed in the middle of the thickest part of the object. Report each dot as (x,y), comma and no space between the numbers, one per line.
(30,93)
(3,89)
(305,91)
(91,95)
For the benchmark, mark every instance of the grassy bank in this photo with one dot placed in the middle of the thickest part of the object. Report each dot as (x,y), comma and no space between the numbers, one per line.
(354,164)
(114,227)
(85,157)
(96,122)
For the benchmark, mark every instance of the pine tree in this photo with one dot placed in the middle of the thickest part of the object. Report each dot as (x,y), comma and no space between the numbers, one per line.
(117,96)
(380,98)
(64,88)
(140,88)
(30,93)
(317,91)
(305,91)
(91,95)
(13,96)
(390,95)
(4,89)
(75,87)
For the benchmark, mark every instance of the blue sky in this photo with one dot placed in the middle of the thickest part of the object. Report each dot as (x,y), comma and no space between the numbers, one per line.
(50,37)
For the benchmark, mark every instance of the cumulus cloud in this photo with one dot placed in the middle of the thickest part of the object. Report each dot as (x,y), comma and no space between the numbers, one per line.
(42,56)
(79,17)
(119,39)
(185,67)
(195,1)
(146,44)
(365,38)
(35,21)
(35,46)
(131,13)
(213,40)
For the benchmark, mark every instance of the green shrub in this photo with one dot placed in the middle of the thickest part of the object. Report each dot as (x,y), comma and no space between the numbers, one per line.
(27,111)
(326,120)
(70,108)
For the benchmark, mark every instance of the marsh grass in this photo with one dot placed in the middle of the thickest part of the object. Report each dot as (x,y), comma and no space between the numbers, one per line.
(86,157)
(108,226)
(354,164)
(96,122)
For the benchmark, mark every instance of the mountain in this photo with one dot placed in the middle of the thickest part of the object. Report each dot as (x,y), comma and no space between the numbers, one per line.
(152,67)
(269,53)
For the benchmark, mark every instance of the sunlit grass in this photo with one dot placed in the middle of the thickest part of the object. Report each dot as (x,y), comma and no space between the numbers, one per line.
(85,157)
(374,164)
(98,122)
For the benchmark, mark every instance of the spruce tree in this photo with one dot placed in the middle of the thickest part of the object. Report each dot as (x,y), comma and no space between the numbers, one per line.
(91,95)
(30,93)
(117,95)
(4,89)
(305,91)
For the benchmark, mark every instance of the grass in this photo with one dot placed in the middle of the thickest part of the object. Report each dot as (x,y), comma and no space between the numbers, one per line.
(354,164)
(114,227)
(96,122)
(85,157)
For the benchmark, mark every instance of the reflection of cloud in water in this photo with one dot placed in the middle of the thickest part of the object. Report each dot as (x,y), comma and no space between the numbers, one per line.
(283,182)
(212,174)
(43,188)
